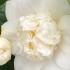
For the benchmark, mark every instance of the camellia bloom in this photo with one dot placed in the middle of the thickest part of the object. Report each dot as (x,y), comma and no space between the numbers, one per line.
(38,31)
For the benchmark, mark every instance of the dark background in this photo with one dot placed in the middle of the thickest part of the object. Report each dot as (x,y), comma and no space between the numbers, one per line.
(10,64)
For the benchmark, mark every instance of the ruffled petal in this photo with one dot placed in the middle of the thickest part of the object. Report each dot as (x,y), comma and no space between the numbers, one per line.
(18,8)
(25,64)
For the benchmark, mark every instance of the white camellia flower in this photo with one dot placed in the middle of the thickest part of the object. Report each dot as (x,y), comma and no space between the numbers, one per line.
(39,33)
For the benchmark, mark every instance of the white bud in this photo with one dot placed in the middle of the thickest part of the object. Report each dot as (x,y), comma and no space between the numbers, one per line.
(5,51)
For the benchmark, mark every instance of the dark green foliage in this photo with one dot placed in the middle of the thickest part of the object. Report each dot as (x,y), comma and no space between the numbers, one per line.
(2,14)
(2,2)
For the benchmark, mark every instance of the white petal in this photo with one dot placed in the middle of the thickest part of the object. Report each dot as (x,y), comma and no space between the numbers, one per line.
(42,49)
(63,58)
(64,24)
(11,10)
(58,8)
(65,47)
(51,66)
(25,64)
(63,61)
(17,8)
(17,47)
(49,33)
(9,31)
(5,51)
(27,24)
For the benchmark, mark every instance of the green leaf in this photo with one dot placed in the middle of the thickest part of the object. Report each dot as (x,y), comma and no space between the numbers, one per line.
(2,14)
(2,2)
(68,1)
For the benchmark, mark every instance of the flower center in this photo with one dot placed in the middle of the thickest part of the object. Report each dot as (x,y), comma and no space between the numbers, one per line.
(40,35)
